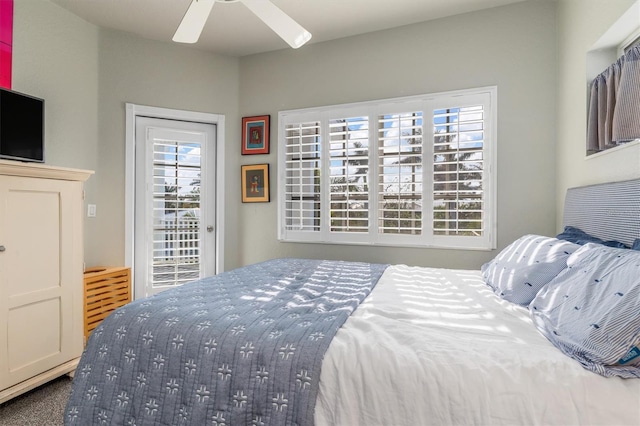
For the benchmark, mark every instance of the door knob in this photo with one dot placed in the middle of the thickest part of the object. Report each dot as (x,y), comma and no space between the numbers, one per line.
(2,248)
(209,228)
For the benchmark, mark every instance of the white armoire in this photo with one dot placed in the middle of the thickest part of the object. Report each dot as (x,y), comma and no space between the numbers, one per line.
(41,274)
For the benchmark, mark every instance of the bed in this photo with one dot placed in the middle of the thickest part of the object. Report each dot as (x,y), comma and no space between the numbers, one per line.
(298,341)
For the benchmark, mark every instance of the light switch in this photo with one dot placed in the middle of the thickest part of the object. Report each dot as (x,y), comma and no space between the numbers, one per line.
(91,210)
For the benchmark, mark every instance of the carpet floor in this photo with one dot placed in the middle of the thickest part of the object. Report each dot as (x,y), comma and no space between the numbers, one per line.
(42,406)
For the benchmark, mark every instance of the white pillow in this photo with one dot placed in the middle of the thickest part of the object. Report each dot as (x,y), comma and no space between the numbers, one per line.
(519,271)
(591,310)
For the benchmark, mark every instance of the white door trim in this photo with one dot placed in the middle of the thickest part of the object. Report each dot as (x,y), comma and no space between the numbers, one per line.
(133,111)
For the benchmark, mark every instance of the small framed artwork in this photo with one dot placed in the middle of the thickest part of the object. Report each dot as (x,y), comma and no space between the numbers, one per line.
(255,183)
(255,135)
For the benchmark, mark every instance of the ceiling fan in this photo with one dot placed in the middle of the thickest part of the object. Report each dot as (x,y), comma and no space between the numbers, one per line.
(196,16)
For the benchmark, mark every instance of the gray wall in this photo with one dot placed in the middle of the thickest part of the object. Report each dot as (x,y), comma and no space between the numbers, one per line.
(55,57)
(581,23)
(165,75)
(86,75)
(513,47)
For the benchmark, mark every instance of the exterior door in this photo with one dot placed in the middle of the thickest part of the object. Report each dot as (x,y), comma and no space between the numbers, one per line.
(174,234)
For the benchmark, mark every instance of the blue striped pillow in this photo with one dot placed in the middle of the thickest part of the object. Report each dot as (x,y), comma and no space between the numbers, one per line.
(578,236)
(591,310)
(519,271)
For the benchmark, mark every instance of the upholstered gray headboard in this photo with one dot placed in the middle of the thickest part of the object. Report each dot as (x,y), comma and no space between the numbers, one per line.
(610,211)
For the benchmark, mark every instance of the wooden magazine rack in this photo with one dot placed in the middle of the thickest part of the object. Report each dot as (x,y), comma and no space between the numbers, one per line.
(105,290)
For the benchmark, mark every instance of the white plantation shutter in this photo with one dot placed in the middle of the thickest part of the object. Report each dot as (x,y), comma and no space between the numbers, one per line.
(400,173)
(349,173)
(458,170)
(302,180)
(176,212)
(412,171)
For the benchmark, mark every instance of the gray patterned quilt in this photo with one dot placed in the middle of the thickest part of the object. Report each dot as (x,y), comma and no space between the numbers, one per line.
(243,347)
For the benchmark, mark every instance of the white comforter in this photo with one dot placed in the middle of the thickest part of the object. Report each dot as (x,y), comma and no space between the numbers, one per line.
(437,347)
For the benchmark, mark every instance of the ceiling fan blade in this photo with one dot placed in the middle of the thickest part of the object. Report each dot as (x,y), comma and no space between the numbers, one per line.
(193,21)
(281,23)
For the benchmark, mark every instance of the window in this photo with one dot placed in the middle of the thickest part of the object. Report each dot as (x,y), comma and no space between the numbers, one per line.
(634,43)
(613,93)
(413,171)
(630,42)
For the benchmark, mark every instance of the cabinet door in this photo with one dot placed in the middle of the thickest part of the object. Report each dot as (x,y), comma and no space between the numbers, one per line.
(40,276)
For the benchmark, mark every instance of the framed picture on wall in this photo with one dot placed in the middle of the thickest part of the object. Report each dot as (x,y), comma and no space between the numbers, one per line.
(255,183)
(255,135)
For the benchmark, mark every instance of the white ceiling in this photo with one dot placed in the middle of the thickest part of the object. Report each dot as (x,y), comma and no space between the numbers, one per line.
(233,30)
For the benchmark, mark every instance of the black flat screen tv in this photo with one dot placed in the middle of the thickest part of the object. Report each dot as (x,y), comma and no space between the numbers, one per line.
(21,126)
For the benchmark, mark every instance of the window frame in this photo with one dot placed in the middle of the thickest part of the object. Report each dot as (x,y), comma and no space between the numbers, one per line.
(427,104)
(632,40)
